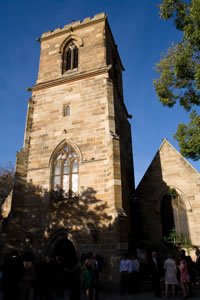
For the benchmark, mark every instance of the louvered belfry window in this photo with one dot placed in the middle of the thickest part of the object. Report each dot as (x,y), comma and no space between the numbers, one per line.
(71,57)
(65,171)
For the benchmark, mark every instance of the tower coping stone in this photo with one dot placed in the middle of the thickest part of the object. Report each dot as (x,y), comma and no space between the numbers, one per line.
(72,25)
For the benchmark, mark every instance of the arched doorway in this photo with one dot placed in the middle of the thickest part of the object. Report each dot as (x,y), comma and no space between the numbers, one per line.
(60,245)
(64,249)
(63,254)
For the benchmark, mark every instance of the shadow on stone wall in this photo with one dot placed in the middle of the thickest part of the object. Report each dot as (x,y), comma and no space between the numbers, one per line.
(37,214)
(160,206)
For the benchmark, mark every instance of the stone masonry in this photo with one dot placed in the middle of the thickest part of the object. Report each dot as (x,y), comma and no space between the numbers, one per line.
(97,129)
(167,170)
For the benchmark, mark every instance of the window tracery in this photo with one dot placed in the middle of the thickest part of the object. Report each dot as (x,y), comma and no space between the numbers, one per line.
(65,169)
(70,59)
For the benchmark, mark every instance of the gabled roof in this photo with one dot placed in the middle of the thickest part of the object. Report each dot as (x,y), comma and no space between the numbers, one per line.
(166,142)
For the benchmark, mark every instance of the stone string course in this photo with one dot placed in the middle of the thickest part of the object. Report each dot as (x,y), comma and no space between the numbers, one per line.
(99,132)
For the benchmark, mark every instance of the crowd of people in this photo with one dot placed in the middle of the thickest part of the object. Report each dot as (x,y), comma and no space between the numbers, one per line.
(24,278)
(171,274)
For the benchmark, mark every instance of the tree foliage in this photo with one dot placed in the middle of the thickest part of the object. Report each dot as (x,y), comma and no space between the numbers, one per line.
(188,137)
(179,241)
(6,181)
(179,70)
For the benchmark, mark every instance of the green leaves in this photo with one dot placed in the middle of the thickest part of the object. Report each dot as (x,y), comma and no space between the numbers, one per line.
(176,9)
(192,29)
(179,240)
(178,76)
(188,137)
(179,71)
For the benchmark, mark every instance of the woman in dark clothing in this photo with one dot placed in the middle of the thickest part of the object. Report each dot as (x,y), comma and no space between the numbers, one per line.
(28,279)
(156,271)
(59,277)
(51,278)
(75,282)
(41,284)
(12,273)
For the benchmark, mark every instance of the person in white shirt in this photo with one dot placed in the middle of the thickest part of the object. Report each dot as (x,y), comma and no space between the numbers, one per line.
(124,274)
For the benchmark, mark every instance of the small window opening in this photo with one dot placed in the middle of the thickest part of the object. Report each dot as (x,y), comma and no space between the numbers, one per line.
(66,111)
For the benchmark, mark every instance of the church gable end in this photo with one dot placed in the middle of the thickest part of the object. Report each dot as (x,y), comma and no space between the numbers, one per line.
(170,184)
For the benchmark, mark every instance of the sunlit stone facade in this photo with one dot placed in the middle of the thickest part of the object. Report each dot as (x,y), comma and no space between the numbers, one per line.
(169,197)
(74,174)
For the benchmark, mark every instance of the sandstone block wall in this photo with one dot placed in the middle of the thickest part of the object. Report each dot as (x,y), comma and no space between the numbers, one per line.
(169,170)
(99,132)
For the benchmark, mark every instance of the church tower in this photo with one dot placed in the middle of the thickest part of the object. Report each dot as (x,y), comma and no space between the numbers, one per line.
(74,174)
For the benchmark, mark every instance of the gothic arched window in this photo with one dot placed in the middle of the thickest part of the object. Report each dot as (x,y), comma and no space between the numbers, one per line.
(65,172)
(174,215)
(70,59)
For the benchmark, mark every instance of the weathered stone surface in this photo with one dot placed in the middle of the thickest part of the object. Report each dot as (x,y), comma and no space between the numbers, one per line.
(167,170)
(99,132)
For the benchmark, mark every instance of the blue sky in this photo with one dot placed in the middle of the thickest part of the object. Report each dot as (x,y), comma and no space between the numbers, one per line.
(141,37)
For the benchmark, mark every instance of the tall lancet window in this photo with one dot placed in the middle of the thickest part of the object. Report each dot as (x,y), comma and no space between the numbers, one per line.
(65,172)
(70,60)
